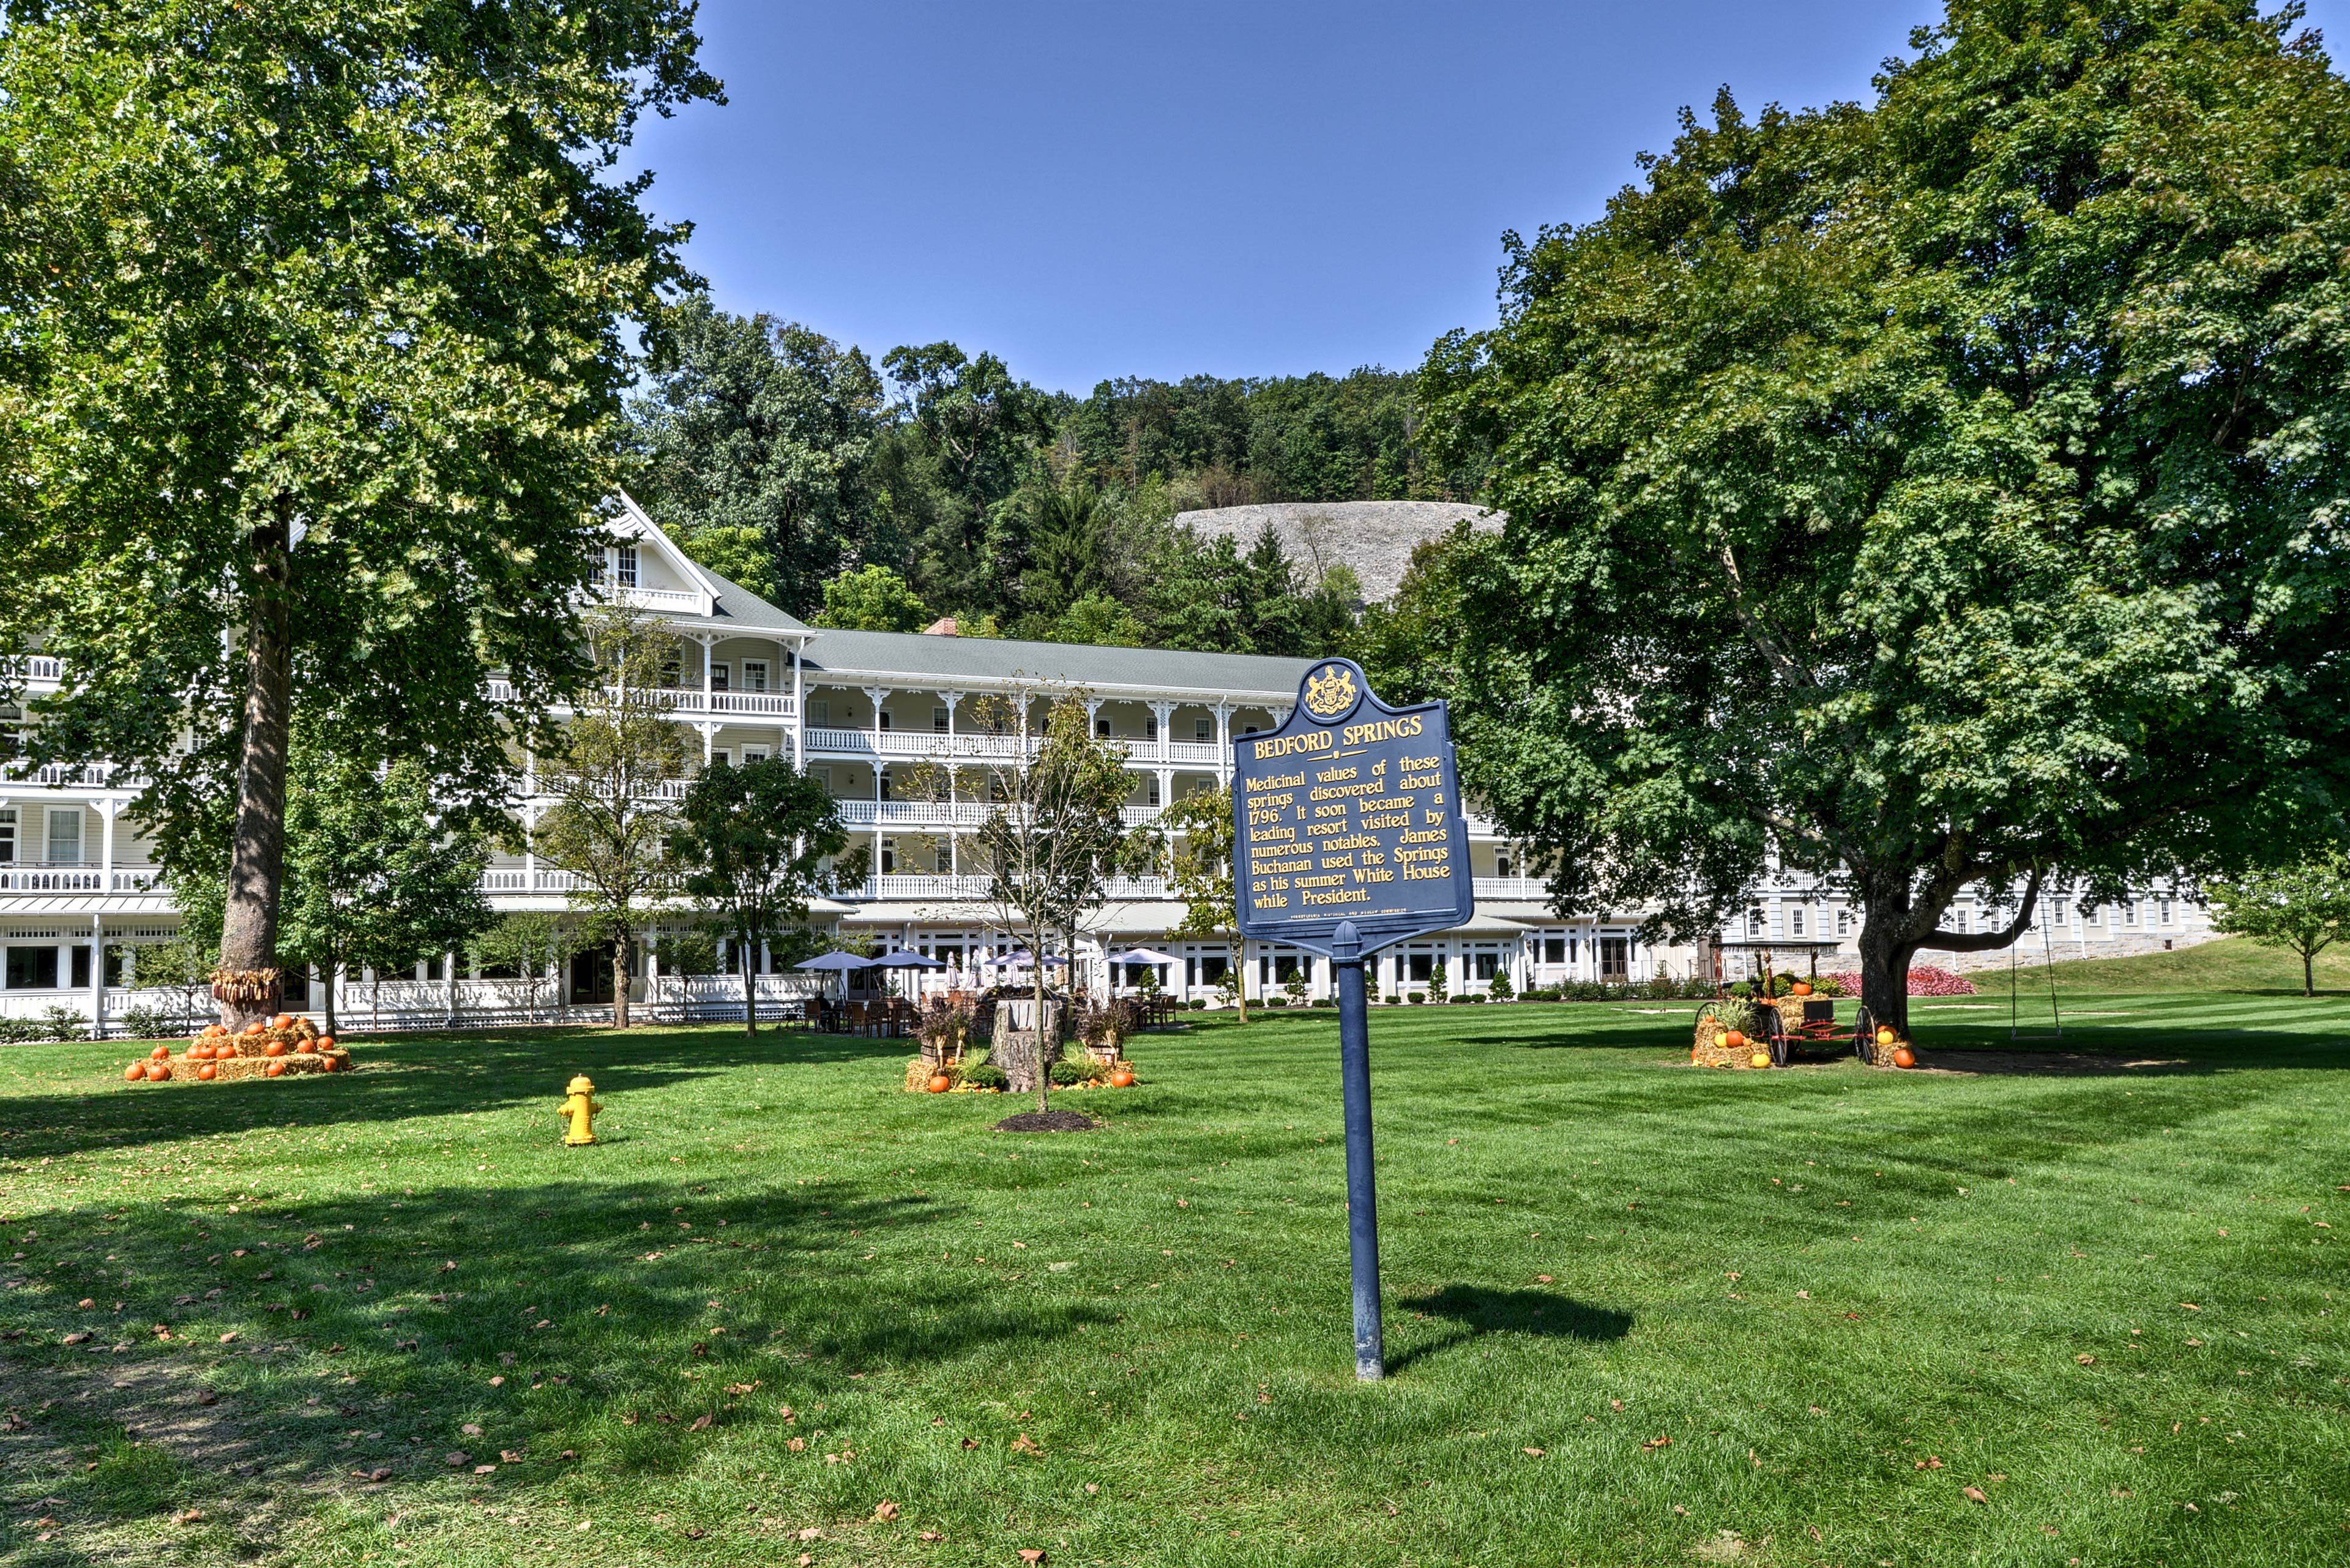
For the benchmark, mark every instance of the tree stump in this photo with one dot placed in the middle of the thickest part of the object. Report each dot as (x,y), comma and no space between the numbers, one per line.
(1015,1048)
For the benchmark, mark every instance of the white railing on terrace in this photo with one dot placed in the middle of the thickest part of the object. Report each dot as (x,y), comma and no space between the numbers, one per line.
(1511,887)
(51,876)
(138,878)
(66,775)
(926,887)
(912,813)
(680,700)
(31,666)
(934,746)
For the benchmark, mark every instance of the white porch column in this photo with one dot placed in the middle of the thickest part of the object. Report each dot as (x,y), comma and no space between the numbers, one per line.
(106,812)
(98,949)
(1224,745)
(799,710)
(1164,712)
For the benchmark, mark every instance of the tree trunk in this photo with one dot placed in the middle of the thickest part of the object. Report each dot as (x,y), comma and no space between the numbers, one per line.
(331,972)
(257,855)
(1044,1068)
(1239,949)
(1884,957)
(749,991)
(620,980)
(2309,973)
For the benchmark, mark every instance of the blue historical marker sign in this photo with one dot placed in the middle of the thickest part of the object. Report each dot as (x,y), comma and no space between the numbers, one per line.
(1347,838)
(1349,812)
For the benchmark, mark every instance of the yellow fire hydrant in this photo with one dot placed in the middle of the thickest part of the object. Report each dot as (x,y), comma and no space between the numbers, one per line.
(580,1106)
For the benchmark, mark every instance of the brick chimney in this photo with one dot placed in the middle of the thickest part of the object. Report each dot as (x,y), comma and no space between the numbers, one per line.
(942,627)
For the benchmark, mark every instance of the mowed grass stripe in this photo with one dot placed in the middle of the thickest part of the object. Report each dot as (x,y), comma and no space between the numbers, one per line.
(1192,1361)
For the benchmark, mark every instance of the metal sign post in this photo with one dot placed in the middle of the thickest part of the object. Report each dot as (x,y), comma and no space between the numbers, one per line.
(1362,1184)
(1347,838)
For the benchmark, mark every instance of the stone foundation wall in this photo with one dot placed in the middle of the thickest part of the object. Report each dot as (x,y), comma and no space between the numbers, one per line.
(2028,953)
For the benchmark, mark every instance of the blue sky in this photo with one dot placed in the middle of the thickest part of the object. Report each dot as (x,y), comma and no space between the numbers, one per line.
(1110,189)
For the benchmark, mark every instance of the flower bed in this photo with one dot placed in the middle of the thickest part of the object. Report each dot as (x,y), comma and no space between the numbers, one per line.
(1925,980)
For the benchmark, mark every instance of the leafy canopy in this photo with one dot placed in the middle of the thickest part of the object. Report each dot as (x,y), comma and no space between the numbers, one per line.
(1935,492)
(362,269)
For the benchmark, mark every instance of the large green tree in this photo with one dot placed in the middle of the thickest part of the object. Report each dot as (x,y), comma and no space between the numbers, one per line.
(1942,491)
(312,343)
(753,435)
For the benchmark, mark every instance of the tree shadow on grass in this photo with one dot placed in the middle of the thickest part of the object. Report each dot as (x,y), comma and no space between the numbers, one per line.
(403,1076)
(1476,1310)
(347,1348)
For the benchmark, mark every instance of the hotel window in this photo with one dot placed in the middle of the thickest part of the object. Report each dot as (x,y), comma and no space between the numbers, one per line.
(1101,729)
(822,777)
(939,720)
(1795,920)
(1753,923)
(1844,922)
(33,969)
(1203,729)
(7,834)
(2130,913)
(2163,906)
(65,836)
(888,856)
(1958,917)
(1152,797)
(881,717)
(1150,726)
(718,675)
(753,754)
(722,754)
(1251,730)
(820,711)
(2057,911)
(625,566)
(755,675)
(1553,950)
(672,671)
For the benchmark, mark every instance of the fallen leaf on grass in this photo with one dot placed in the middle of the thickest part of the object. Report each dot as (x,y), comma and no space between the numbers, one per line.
(1657,1442)
(970,1442)
(797,1445)
(2085,1359)
(484,1469)
(812,1534)
(1544,1279)
(1024,1444)
(1975,1494)
(456,1457)
(932,1535)
(701,1423)
(1032,1554)
(885,1511)
(77,1338)
(1534,1453)
(510,1456)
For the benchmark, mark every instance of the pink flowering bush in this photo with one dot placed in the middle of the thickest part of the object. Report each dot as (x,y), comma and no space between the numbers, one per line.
(1925,980)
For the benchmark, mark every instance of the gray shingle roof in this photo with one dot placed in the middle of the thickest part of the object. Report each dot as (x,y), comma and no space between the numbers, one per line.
(857,655)
(738,604)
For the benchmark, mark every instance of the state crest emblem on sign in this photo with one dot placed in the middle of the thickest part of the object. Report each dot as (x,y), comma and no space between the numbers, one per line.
(1329,693)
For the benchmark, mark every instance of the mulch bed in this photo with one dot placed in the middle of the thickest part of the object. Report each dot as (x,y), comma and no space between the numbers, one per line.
(1048,1121)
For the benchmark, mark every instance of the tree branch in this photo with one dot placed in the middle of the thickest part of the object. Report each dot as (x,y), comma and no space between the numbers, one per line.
(1982,941)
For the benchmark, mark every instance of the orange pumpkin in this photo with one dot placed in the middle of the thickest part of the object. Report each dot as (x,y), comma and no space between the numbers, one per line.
(216,1028)
(274,1069)
(303,1048)
(275,1048)
(135,1072)
(160,1052)
(1903,1057)
(283,1021)
(158,1072)
(1121,1077)
(208,1072)
(940,1083)
(325,1042)
(1731,1039)
(1801,988)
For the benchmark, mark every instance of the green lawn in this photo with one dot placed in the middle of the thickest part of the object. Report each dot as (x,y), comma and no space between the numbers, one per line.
(1637,1313)
(2228,964)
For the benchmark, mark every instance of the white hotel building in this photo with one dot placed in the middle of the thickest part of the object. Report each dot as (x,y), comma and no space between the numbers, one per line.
(78,893)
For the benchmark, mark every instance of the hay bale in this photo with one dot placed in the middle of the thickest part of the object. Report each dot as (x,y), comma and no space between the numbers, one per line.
(1707,1050)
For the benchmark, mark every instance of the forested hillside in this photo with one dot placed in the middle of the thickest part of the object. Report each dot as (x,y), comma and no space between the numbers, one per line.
(940,484)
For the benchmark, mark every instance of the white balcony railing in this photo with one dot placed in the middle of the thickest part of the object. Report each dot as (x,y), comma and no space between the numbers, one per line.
(777,705)
(926,888)
(51,876)
(1511,887)
(912,813)
(65,774)
(31,666)
(137,879)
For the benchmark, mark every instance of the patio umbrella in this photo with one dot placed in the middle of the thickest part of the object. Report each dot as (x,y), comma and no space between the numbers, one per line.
(1143,955)
(842,962)
(906,958)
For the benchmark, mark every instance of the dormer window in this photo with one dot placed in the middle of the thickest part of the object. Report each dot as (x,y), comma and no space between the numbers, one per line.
(624,566)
